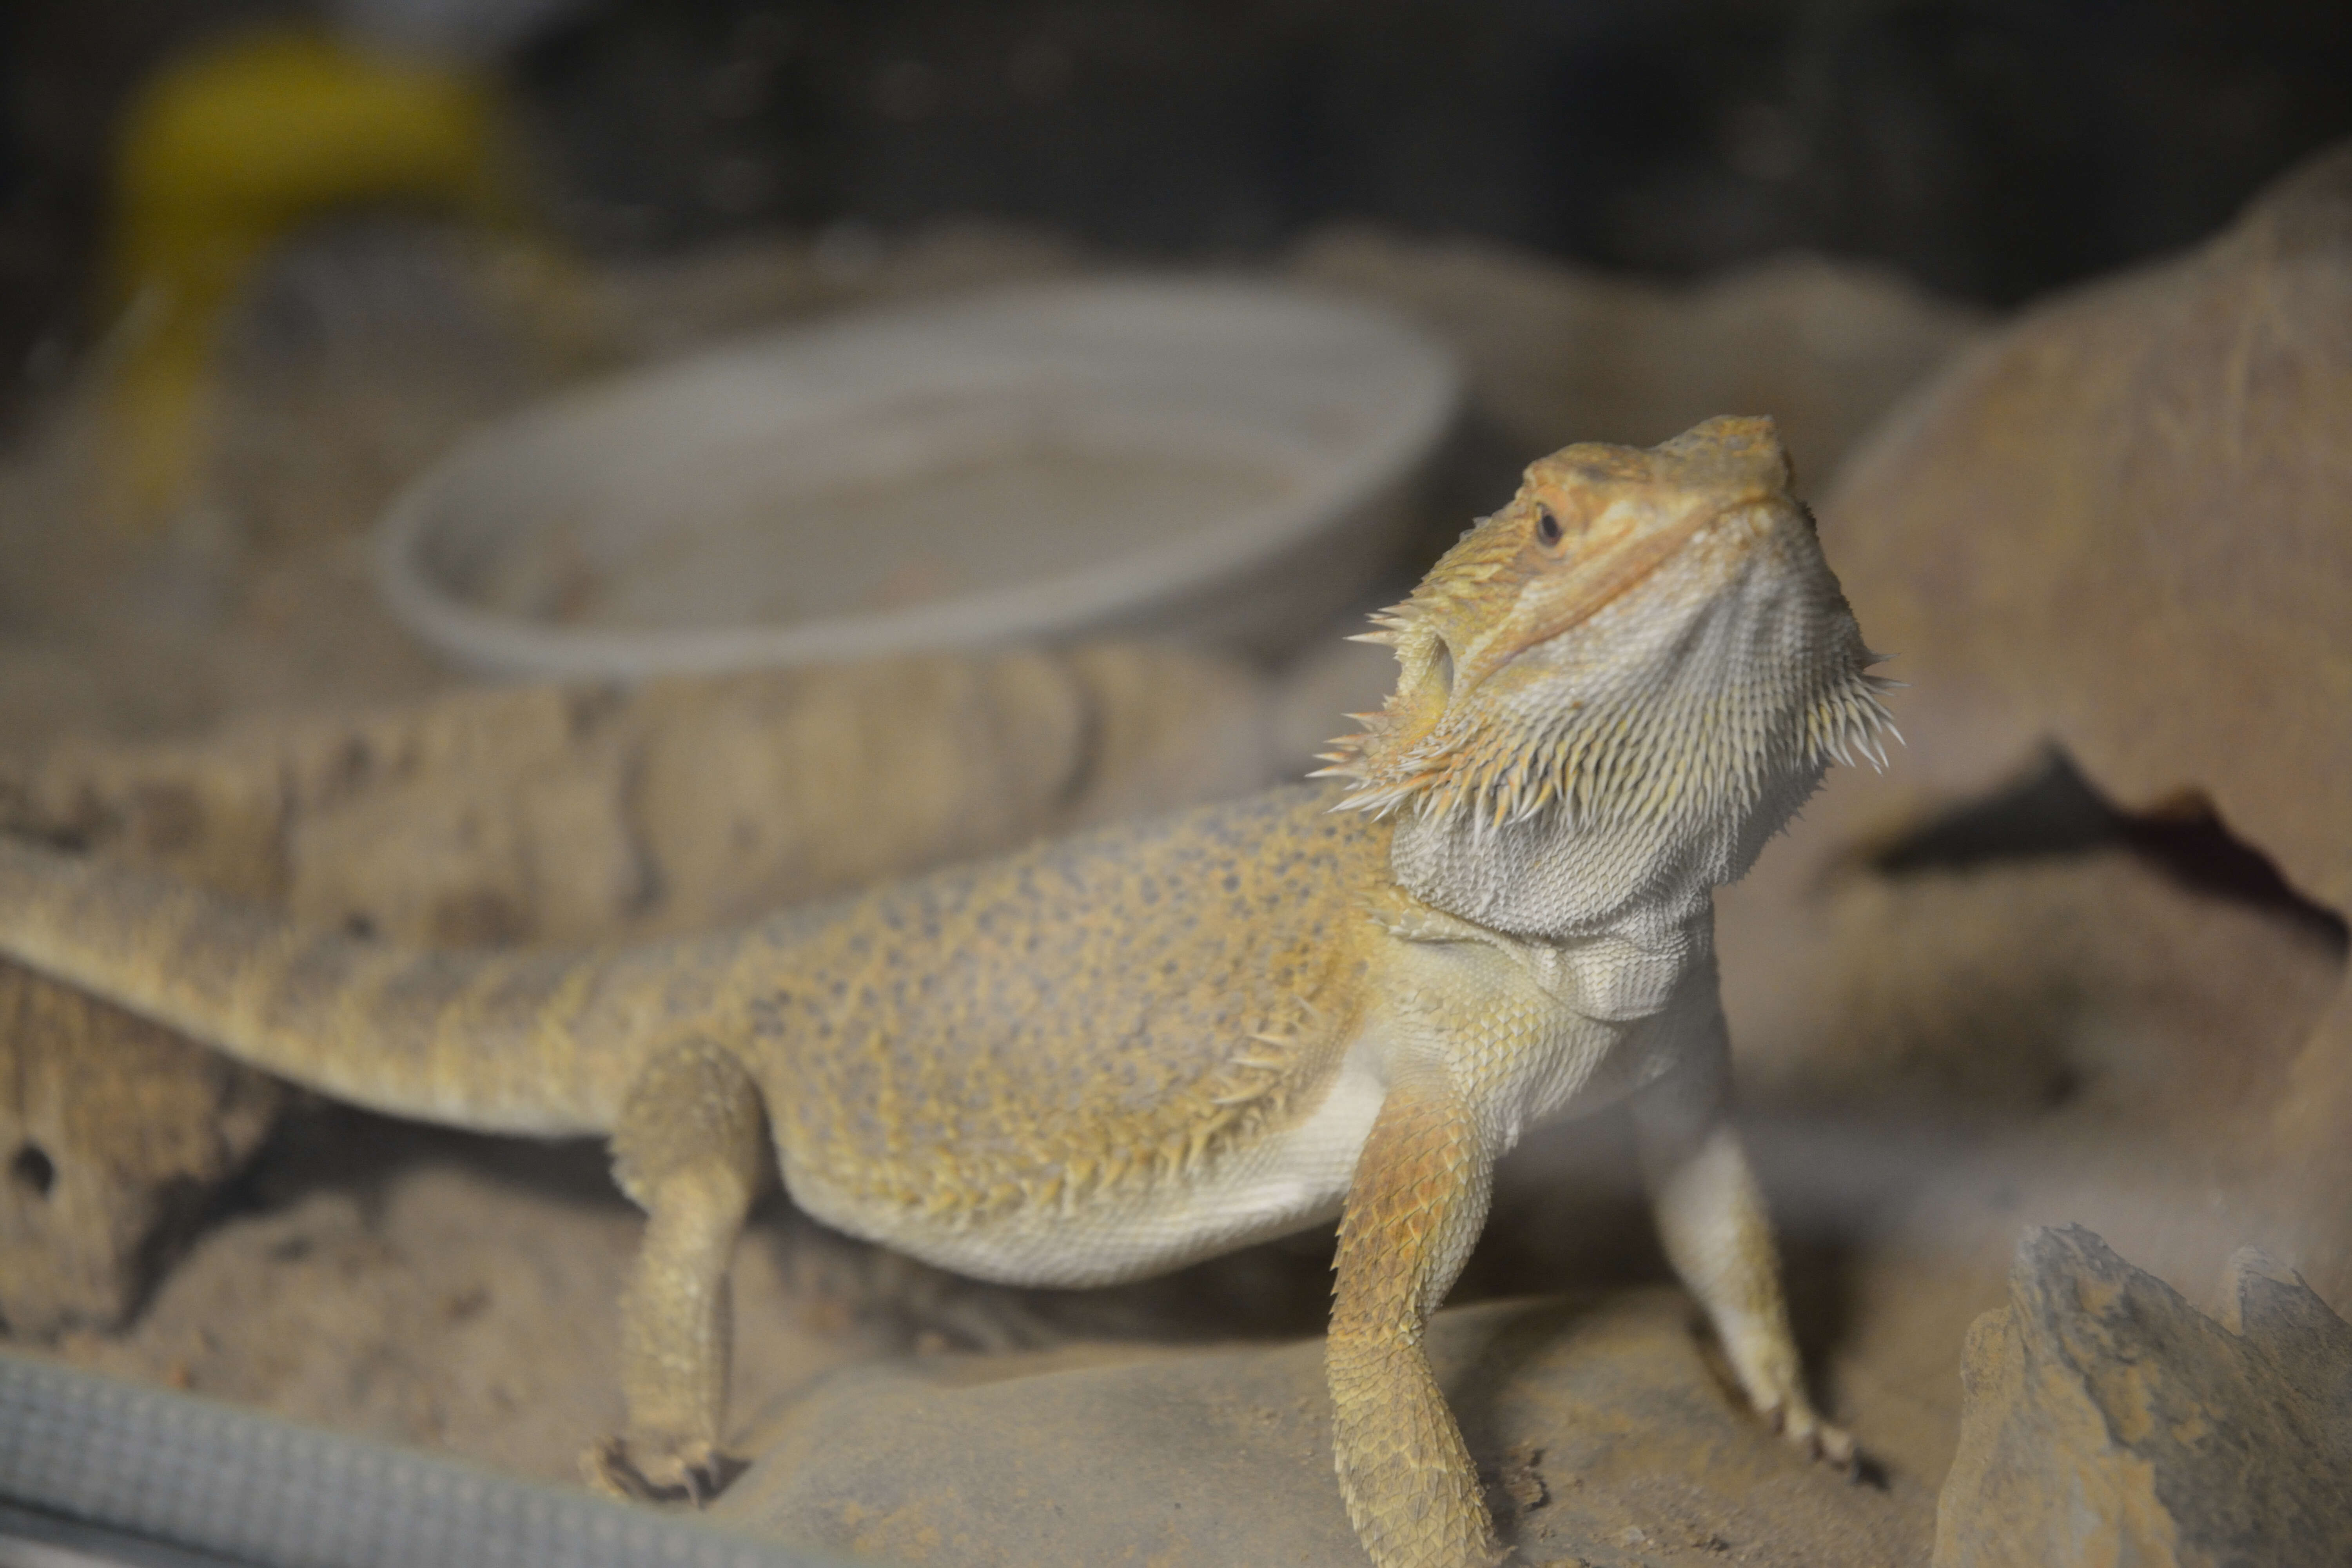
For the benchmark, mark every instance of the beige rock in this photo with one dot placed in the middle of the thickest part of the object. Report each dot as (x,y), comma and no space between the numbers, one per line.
(2091,984)
(558,814)
(751,792)
(113,1134)
(1559,354)
(2116,529)
(2107,1421)
(1606,1435)
(2120,524)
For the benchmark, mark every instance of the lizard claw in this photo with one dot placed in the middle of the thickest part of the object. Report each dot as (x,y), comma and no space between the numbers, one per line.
(1814,1438)
(659,1469)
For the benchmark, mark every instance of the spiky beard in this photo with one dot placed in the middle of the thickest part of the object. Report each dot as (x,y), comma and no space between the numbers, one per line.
(1658,746)
(1672,733)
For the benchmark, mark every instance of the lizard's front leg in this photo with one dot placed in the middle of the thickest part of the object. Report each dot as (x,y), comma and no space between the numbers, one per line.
(690,1149)
(1718,1237)
(1415,1206)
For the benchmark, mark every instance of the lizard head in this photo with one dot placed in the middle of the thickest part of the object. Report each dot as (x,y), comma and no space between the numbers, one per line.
(1644,646)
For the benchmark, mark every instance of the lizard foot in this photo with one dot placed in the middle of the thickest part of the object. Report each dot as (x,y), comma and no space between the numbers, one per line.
(659,1469)
(1815,1438)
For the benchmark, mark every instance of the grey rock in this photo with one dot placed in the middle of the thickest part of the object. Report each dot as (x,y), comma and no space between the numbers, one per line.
(2107,1421)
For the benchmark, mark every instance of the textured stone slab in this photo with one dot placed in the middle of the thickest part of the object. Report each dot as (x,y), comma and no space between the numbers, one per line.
(1606,1437)
(2107,1421)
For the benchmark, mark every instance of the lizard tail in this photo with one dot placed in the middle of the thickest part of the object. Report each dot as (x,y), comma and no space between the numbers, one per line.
(527,1043)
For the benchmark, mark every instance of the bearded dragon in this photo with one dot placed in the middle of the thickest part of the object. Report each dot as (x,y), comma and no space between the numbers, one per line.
(1106,1057)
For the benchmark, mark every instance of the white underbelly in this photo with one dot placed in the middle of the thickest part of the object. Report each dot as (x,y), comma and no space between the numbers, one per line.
(1284,1182)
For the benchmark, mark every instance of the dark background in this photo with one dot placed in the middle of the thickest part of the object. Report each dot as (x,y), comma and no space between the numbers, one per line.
(1994,149)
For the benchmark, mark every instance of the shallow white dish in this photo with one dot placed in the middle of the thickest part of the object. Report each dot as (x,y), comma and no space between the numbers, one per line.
(1223,459)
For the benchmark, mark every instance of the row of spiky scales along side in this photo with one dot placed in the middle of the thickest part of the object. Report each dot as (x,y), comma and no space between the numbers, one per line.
(1062,1167)
(1665,740)
(1471,588)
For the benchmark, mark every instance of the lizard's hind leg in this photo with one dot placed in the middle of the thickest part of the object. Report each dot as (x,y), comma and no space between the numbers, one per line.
(690,1148)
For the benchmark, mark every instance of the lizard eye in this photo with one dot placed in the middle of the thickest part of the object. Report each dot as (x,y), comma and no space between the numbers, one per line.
(1548,527)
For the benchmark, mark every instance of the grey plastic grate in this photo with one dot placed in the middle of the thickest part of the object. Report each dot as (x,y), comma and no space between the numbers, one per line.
(206,1478)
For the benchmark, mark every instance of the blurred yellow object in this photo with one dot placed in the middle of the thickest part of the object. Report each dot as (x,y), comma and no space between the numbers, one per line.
(224,153)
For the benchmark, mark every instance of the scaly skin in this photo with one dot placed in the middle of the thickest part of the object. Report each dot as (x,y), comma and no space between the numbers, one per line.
(1103,1057)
